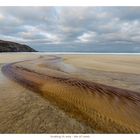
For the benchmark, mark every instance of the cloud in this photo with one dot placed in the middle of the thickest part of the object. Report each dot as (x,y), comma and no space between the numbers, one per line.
(72,26)
(88,37)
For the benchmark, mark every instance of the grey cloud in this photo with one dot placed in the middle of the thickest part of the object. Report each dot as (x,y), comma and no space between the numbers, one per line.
(91,26)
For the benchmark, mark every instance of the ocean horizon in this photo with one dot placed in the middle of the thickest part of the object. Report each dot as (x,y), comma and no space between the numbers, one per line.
(77,53)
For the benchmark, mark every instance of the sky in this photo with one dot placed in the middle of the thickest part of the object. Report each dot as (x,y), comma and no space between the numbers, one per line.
(73,29)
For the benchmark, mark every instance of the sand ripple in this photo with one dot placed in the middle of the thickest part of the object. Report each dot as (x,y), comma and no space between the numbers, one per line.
(105,108)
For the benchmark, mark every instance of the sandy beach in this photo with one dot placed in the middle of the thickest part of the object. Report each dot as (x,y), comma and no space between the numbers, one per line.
(70,93)
(24,111)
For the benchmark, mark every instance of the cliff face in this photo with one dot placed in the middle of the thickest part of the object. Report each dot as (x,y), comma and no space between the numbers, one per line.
(8,46)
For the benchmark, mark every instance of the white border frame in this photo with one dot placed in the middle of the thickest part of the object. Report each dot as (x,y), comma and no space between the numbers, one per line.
(69,3)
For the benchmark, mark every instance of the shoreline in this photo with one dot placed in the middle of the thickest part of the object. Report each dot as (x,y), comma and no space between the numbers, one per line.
(71,53)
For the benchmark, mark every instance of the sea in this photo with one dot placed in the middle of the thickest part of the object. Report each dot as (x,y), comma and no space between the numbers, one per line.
(69,53)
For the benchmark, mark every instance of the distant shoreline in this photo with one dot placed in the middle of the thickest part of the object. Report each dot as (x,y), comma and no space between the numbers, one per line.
(77,53)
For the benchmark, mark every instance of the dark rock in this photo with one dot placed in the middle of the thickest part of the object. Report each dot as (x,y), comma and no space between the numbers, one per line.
(8,46)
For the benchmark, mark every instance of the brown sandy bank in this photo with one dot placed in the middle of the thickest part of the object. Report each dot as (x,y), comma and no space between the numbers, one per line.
(24,111)
(121,71)
(105,108)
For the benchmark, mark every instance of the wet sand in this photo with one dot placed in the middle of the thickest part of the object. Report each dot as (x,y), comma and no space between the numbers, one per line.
(25,111)
(99,91)
(121,71)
